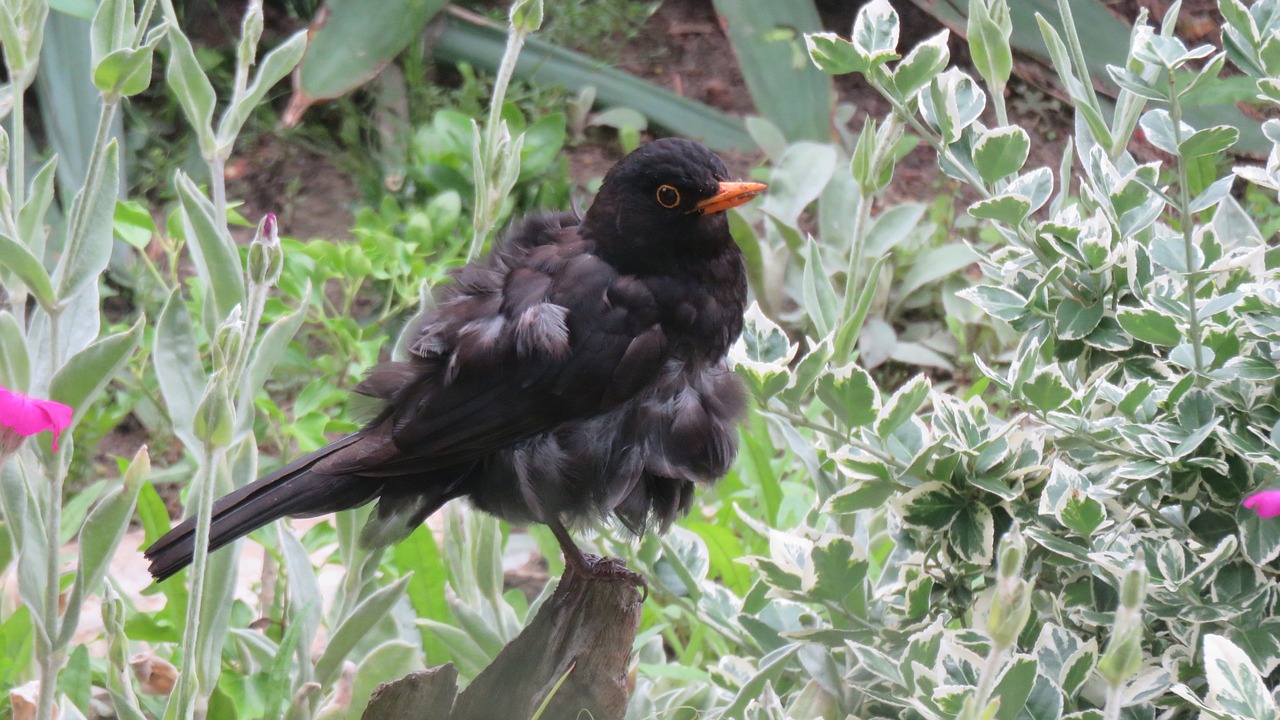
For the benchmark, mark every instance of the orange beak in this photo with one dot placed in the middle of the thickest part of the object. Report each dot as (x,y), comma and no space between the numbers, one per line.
(731,194)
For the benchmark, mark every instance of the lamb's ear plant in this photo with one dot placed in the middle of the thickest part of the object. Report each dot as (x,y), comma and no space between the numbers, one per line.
(52,336)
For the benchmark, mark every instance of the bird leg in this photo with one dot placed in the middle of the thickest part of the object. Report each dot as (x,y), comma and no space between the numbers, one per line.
(591,566)
(572,555)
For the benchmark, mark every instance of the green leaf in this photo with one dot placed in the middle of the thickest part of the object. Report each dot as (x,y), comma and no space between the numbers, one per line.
(212,250)
(794,96)
(953,103)
(1149,326)
(194,91)
(771,667)
(354,41)
(112,28)
(996,301)
(798,179)
(875,31)
(819,296)
(762,353)
(1260,642)
(928,58)
(100,536)
(1001,152)
(1083,514)
(31,218)
(933,265)
(133,224)
(1047,389)
(89,242)
(1010,208)
(989,42)
(1075,320)
(180,373)
(125,72)
(932,505)
(838,569)
(277,64)
(541,63)
(1157,126)
(78,383)
(1015,687)
(368,613)
(18,259)
(389,661)
(1209,141)
(1259,538)
(867,495)
(15,363)
(904,403)
(542,144)
(1235,685)
(850,331)
(972,534)
(851,394)
(833,55)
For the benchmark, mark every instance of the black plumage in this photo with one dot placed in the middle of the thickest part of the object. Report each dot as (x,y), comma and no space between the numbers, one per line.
(574,374)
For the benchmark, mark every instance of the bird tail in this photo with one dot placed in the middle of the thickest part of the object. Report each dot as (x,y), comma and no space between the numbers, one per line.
(293,490)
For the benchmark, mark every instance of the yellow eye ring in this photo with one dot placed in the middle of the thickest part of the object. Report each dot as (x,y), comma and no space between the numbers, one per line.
(668,197)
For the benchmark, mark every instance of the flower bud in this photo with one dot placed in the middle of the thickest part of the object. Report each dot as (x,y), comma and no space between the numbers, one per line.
(228,339)
(1123,657)
(113,624)
(1010,610)
(526,16)
(1013,550)
(1133,589)
(1011,604)
(215,416)
(266,258)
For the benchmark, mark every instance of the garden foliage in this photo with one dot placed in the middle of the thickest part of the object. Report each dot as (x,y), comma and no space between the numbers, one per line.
(1009,497)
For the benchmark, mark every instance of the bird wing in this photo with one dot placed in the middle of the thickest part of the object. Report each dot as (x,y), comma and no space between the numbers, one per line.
(552,333)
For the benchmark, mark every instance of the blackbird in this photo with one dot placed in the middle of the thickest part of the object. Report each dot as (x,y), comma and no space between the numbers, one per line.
(576,373)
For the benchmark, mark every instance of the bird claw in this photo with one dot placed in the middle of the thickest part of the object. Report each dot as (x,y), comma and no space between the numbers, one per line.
(608,569)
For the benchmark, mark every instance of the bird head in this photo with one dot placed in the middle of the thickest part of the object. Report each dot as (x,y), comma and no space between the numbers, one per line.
(664,202)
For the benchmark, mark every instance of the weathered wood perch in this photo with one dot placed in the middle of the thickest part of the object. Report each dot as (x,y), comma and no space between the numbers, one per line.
(585,629)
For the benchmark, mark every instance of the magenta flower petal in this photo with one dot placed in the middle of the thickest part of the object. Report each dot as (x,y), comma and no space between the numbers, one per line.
(28,416)
(1265,503)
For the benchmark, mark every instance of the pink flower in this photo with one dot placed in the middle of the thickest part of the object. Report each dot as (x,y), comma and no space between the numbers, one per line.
(29,416)
(1265,503)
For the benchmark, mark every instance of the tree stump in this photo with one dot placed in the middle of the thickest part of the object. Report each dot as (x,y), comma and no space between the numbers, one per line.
(582,634)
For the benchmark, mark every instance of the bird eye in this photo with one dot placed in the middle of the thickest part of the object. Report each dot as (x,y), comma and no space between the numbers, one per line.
(668,197)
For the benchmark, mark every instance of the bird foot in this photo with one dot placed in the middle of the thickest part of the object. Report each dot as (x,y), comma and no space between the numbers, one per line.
(607,569)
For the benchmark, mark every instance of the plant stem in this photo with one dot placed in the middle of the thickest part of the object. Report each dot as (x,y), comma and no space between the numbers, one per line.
(17,155)
(1188,230)
(185,693)
(1077,52)
(987,679)
(50,653)
(144,20)
(17,142)
(218,187)
(1111,711)
(487,204)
